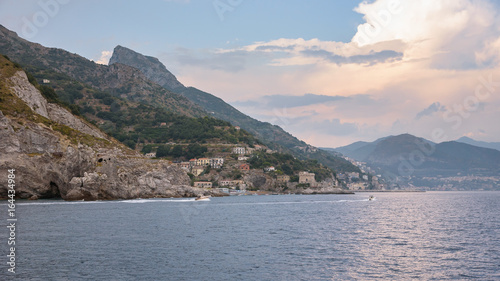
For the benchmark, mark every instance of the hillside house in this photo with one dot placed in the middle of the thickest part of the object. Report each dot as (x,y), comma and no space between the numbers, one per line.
(239,150)
(225,182)
(203,162)
(306,177)
(197,170)
(269,169)
(217,162)
(203,184)
(243,158)
(151,154)
(283,178)
(244,167)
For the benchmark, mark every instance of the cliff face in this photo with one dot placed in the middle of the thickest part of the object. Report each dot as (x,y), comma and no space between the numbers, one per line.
(56,154)
(150,66)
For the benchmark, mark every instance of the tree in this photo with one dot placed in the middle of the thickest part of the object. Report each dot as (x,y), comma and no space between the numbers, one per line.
(177,151)
(162,151)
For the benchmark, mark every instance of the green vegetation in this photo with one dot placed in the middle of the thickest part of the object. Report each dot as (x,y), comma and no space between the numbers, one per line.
(131,122)
(289,165)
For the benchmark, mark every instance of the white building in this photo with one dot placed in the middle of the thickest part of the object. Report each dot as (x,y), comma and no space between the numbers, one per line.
(239,150)
(217,162)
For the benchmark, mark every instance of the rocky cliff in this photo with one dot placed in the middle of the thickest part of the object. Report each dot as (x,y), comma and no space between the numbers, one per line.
(152,68)
(56,154)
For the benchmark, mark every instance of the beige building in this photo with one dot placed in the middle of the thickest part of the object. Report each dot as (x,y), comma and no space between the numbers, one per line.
(197,170)
(306,177)
(203,184)
(283,178)
(203,162)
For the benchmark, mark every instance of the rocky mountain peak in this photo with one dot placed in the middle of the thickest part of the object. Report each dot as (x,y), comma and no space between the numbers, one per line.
(151,67)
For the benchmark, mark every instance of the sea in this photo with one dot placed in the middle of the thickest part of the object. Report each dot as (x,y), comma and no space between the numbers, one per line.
(396,236)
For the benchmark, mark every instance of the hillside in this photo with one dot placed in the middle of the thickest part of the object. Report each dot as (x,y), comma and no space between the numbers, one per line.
(271,135)
(117,80)
(55,154)
(411,160)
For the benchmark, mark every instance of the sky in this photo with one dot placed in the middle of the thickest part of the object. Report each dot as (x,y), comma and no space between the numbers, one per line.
(329,72)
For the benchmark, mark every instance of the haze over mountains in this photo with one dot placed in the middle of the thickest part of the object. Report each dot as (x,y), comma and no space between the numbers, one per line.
(417,161)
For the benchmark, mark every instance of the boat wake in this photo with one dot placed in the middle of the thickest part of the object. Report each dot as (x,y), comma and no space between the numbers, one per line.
(133,201)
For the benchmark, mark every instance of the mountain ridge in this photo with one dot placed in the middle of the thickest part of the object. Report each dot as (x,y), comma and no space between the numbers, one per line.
(271,135)
(467,140)
(413,160)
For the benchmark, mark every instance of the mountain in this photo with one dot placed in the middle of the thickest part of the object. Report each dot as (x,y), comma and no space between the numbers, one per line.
(271,135)
(416,161)
(492,145)
(359,150)
(151,67)
(119,80)
(54,154)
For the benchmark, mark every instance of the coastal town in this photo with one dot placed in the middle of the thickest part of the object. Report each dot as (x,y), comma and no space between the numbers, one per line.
(231,171)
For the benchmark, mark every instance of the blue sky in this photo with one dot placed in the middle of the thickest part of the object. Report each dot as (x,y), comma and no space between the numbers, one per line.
(151,26)
(329,72)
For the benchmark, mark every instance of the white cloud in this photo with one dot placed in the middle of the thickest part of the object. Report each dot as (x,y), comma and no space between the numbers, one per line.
(105,56)
(423,51)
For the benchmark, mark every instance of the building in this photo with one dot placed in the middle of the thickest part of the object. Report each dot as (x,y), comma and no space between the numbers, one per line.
(163,124)
(237,128)
(225,182)
(306,177)
(239,183)
(239,150)
(203,162)
(243,158)
(192,162)
(184,165)
(197,170)
(45,81)
(269,169)
(259,147)
(203,184)
(217,162)
(151,154)
(353,175)
(244,167)
(283,178)
(224,190)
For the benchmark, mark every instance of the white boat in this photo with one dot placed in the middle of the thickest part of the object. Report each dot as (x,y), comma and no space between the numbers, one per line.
(202,198)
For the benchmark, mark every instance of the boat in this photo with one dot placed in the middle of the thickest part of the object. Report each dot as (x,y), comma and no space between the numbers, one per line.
(371,198)
(202,198)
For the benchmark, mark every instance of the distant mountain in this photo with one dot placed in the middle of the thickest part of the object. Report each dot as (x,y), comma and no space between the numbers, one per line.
(492,145)
(273,136)
(359,150)
(417,160)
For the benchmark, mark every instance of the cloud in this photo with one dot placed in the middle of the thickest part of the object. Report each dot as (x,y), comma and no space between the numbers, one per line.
(384,81)
(105,56)
(336,127)
(370,59)
(433,108)
(226,61)
(286,101)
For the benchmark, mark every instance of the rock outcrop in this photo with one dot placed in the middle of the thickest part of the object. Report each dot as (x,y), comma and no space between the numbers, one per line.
(150,66)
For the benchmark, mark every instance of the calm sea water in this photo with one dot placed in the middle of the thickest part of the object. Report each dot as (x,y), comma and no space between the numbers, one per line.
(399,236)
